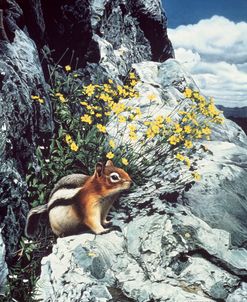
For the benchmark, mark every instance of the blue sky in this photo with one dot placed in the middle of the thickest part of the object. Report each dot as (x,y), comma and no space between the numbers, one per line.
(183,12)
(210,41)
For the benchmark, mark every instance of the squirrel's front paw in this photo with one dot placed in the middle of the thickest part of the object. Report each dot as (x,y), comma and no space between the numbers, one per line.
(116,228)
(107,224)
(112,228)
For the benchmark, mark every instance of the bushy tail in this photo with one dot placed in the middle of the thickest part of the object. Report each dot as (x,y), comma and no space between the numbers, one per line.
(33,219)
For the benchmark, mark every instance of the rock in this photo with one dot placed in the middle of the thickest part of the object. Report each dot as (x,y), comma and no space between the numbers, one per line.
(4,269)
(23,122)
(220,197)
(239,295)
(174,256)
(134,30)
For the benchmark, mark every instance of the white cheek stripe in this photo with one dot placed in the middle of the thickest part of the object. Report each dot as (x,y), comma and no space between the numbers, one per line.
(63,194)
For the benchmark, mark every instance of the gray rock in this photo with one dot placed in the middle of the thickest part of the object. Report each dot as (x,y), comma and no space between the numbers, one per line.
(239,295)
(220,197)
(22,123)
(3,266)
(174,257)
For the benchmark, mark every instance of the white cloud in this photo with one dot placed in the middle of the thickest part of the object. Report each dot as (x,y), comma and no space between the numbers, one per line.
(214,51)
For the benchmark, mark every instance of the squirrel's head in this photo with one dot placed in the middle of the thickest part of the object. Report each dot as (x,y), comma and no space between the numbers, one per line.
(111,179)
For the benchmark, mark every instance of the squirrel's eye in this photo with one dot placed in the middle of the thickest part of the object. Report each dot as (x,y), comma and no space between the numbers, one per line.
(114,177)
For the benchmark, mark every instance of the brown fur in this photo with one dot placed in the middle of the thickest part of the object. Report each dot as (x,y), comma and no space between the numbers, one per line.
(91,203)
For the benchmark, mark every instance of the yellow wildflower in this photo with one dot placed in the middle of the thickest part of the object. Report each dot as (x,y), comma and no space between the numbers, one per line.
(112,143)
(173,140)
(132,128)
(133,83)
(86,119)
(159,119)
(68,139)
(168,119)
(187,129)
(118,108)
(110,81)
(138,111)
(132,75)
(198,133)
(149,133)
(196,176)
(152,97)
(41,101)
(180,157)
(202,98)
(188,144)
(121,119)
(188,92)
(110,155)
(206,130)
(74,147)
(187,161)
(89,90)
(101,128)
(133,136)
(84,103)
(62,99)
(35,97)
(212,110)
(178,129)
(107,88)
(131,117)
(196,95)
(98,115)
(155,129)
(105,97)
(125,161)
(67,68)
(218,120)
(120,89)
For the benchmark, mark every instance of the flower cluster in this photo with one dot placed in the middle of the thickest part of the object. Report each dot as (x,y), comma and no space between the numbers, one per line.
(73,146)
(175,134)
(109,99)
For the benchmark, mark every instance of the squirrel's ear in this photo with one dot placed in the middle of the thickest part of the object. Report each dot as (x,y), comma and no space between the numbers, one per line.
(109,163)
(99,169)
